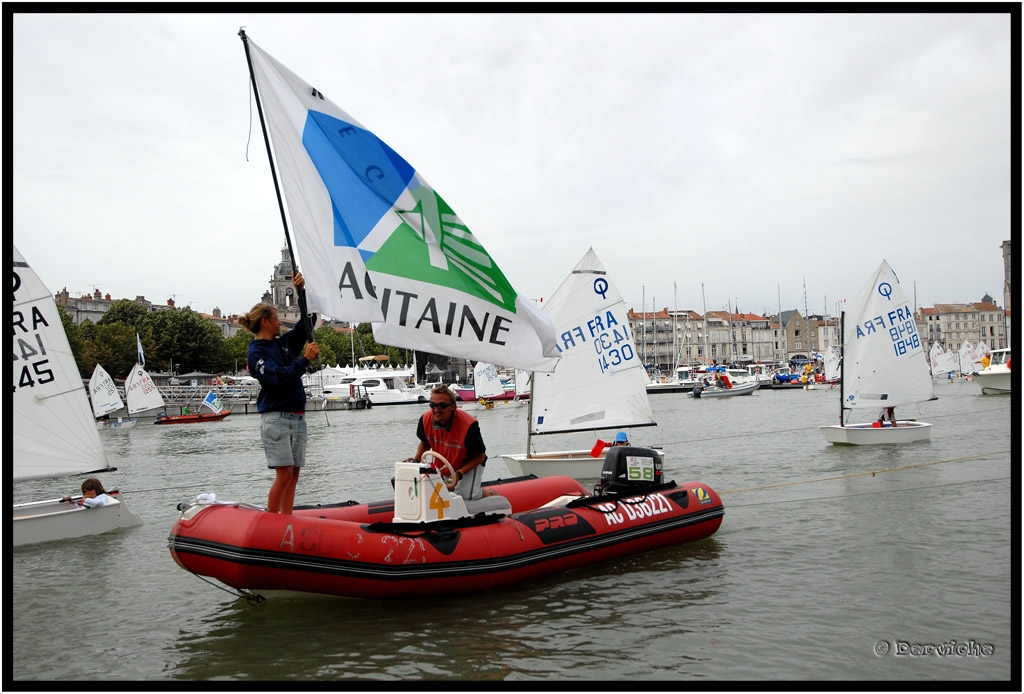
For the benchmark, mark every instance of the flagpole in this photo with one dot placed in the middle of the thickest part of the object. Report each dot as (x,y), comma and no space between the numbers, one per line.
(307,324)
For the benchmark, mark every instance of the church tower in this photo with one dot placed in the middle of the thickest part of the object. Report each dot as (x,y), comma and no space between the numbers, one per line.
(283,294)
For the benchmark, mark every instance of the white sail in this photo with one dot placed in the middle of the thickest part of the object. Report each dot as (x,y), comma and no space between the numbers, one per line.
(980,352)
(965,357)
(883,360)
(486,381)
(951,362)
(600,382)
(833,359)
(522,381)
(103,393)
(140,391)
(53,426)
(937,359)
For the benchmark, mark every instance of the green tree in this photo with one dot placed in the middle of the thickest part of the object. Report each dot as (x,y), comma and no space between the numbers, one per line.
(183,337)
(335,346)
(126,312)
(113,346)
(75,340)
(235,351)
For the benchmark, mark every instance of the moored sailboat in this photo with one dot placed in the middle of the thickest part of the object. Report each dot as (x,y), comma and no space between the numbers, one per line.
(995,378)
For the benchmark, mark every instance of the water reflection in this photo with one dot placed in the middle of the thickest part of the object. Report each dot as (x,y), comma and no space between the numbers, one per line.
(588,615)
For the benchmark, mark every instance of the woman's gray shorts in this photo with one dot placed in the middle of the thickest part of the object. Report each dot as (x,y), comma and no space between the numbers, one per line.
(284,438)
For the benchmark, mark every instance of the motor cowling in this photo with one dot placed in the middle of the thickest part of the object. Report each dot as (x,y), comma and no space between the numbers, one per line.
(627,468)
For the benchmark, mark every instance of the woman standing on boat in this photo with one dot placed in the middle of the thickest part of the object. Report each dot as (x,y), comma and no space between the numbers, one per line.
(282,399)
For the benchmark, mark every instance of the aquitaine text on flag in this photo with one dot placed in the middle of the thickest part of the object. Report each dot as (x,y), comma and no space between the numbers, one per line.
(376,243)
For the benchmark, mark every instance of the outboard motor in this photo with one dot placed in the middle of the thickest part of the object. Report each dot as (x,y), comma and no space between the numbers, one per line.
(630,468)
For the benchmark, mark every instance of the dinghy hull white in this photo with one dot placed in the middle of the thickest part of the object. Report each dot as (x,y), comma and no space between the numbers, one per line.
(868,433)
(46,521)
(579,464)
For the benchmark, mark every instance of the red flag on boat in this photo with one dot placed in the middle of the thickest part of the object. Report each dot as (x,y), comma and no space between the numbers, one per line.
(595,452)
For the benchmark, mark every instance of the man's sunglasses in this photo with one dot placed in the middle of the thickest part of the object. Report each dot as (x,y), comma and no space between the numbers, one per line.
(440,405)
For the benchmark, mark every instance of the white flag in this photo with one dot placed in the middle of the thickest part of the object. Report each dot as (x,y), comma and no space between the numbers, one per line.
(213,402)
(378,244)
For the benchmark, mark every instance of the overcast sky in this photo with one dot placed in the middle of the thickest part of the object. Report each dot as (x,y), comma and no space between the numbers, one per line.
(748,154)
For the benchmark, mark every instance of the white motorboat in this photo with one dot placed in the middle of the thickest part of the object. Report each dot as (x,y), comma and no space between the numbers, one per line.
(386,386)
(679,382)
(375,380)
(700,391)
(995,378)
(724,382)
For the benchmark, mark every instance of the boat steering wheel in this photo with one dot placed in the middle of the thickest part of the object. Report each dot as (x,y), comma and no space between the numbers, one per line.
(435,456)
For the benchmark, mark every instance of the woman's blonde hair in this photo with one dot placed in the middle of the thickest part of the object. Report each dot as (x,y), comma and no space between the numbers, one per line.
(252,320)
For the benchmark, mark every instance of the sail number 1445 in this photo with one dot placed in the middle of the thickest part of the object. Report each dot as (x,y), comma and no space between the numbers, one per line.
(29,348)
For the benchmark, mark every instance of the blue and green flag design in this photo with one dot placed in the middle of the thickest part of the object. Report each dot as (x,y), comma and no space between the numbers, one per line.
(376,243)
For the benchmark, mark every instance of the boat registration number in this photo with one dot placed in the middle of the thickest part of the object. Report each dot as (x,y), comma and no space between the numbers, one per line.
(652,505)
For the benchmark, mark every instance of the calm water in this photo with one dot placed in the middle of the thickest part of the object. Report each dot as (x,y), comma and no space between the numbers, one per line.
(816,564)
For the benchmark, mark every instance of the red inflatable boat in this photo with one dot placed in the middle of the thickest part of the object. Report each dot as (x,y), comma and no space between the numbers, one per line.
(425,538)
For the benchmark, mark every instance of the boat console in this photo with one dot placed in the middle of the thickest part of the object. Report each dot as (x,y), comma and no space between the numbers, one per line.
(421,497)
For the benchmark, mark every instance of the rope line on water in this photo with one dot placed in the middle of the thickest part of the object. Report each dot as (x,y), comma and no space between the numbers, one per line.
(163,490)
(861,474)
(719,437)
(874,492)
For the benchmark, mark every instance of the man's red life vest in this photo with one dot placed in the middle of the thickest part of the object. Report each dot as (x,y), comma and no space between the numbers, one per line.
(449,443)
